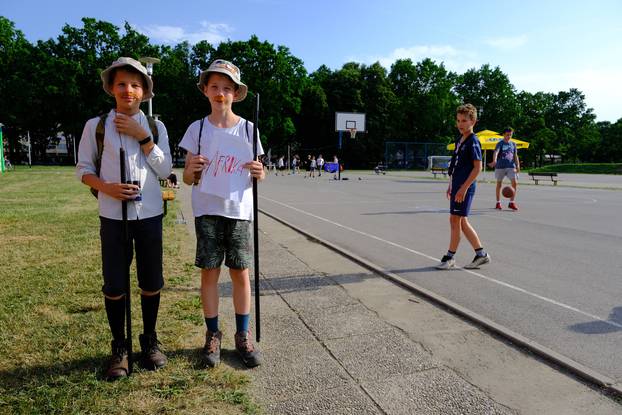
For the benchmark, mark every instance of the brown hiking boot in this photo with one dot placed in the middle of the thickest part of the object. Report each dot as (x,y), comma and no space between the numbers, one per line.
(244,345)
(152,357)
(118,364)
(211,350)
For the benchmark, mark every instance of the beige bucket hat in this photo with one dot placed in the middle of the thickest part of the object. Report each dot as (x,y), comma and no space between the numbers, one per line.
(124,61)
(227,68)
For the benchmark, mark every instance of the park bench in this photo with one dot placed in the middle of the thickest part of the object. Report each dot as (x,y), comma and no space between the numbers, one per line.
(539,176)
(438,170)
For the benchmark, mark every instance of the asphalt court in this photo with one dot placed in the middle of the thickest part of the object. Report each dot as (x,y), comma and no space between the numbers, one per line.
(555,272)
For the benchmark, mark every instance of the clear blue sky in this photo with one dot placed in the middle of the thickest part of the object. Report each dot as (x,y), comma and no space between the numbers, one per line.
(542,45)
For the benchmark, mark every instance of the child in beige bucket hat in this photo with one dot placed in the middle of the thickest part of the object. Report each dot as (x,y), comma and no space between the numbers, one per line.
(107,76)
(147,157)
(222,221)
(227,68)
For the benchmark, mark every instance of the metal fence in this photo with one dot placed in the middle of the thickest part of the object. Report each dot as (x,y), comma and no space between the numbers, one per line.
(411,155)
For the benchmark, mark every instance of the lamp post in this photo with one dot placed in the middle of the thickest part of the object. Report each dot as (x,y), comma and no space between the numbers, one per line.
(148,61)
(2,166)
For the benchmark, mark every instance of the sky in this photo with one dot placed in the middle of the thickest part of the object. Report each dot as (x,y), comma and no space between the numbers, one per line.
(543,45)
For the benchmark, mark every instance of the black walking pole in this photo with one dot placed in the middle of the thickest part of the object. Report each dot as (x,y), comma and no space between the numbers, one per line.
(256,225)
(126,269)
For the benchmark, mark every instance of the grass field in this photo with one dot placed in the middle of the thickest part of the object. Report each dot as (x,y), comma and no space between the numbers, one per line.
(54,336)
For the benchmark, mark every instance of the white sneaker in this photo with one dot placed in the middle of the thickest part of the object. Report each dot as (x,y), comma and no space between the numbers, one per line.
(478,261)
(446,263)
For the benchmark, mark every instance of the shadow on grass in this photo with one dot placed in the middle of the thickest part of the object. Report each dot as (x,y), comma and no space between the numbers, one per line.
(20,378)
(17,378)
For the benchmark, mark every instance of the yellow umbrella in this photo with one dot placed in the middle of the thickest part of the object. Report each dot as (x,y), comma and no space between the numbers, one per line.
(489,139)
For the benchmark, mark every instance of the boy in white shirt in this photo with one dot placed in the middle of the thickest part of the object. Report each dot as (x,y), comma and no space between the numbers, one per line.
(222,224)
(127,127)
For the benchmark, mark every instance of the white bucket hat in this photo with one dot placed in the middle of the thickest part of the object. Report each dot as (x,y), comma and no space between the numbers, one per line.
(105,76)
(227,68)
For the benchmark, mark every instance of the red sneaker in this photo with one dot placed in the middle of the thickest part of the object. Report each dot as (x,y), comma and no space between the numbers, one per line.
(513,206)
(498,205)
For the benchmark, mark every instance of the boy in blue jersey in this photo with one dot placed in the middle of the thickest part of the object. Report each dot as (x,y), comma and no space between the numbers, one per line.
(465,165)
(506,163)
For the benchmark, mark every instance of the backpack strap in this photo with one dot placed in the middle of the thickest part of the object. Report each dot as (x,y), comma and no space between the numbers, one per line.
(100,131)
(200,133)
(154,128)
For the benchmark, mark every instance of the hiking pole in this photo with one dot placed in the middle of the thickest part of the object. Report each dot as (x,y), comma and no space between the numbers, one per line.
(256,225)
(126,269)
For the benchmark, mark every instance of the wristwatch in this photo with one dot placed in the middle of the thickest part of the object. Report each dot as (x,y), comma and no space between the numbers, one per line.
(144,141)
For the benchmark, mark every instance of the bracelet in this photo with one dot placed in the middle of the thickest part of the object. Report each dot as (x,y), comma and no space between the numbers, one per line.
(144,141)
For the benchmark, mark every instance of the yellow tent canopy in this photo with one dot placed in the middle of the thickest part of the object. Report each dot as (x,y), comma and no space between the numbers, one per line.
(489,139)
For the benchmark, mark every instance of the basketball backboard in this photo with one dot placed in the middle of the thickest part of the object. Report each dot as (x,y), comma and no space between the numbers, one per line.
(345,121)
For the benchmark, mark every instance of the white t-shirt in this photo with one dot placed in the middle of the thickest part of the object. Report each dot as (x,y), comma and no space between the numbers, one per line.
(208,204)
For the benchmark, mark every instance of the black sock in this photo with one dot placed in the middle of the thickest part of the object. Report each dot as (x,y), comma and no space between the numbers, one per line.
(480,252)
(115,310)
(450,254)
(212,323)
(150,305)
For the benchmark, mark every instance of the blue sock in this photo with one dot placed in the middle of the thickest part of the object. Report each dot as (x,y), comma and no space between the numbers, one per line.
(241,322)
(450,254)
(480,252)
(212,323)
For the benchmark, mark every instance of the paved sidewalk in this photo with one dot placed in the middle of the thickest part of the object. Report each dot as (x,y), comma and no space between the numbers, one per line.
(337,339)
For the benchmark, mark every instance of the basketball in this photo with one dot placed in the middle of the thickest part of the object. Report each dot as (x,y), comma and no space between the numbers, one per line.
(507,192)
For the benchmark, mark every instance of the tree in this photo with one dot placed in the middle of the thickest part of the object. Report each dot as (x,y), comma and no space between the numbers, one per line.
(491,91)
(15,74)
(279,78)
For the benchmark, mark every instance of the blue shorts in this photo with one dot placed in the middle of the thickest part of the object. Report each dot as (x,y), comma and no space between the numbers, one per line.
(146,235)
(463,208)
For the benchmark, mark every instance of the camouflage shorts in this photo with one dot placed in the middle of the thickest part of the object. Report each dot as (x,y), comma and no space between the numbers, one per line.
(218,236)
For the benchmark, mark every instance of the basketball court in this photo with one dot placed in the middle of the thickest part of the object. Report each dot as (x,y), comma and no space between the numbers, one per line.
(554,276)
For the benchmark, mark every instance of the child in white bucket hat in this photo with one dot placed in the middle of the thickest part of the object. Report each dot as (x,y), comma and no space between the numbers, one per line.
(222,220)
(127,127)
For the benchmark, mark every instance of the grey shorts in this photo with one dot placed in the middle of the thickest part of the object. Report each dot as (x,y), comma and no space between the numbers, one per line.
(510,173)
(221,238)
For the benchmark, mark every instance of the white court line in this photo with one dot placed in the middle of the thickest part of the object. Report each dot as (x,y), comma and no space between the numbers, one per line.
(477,274)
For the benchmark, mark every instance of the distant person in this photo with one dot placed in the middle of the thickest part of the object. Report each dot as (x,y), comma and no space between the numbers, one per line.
(465,166)
(127,127)
(7,164)
(171,181)
(313,166)
(222,224)
(320,164)
(506,163)
(307,166)
(280,166)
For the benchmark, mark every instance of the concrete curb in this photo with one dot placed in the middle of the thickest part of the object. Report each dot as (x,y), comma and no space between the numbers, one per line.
(577,369)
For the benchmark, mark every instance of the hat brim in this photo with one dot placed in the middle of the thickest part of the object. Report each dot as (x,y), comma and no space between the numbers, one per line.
(105,77)
(242,88)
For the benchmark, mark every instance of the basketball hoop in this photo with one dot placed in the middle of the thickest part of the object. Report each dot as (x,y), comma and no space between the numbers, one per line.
(352,132)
